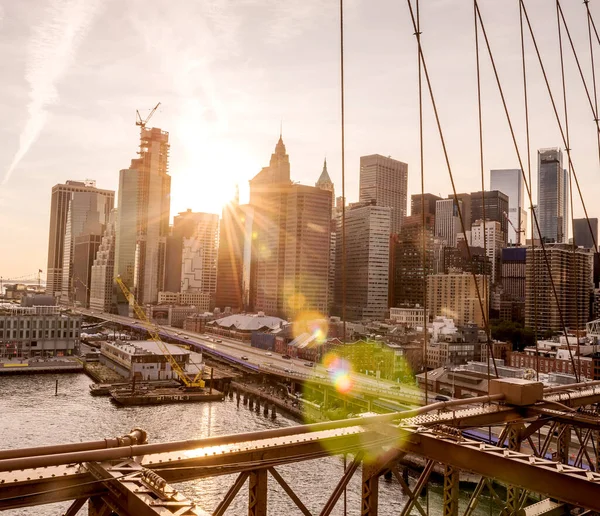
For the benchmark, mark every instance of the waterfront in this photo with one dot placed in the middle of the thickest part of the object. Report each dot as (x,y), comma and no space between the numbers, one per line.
(31,415)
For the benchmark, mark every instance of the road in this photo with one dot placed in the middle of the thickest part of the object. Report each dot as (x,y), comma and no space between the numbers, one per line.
(269,361)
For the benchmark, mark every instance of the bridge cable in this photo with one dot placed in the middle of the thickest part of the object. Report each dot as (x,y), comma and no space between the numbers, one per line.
(531,208)
(484,221)
(555,109)
(527,185)
(589,27)
(449,167)
(424,251)
(568,149)
(343,135)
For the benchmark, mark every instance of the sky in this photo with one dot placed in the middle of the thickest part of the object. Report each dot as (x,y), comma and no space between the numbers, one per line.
(230,73)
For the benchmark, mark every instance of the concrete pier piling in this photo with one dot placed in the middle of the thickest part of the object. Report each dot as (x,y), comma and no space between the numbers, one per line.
(273,412)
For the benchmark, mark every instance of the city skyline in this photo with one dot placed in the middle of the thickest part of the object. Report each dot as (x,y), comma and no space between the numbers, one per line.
(209,118)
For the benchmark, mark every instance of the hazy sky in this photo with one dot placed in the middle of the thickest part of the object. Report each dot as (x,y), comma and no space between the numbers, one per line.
(228,71)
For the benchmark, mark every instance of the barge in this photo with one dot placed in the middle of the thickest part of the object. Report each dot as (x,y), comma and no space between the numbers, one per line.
(160,396)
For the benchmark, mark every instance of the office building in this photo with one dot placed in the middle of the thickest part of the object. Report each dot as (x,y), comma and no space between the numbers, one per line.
(582,236)
(38,331)
(325,183)
(447,221)
(416,202)
(367,262)
(510,182)
(496,209)
(385,182)
(103,270)
(513,272)
(490,237)
(572,272)
(143,217)
(76,208)
(235,258)
(291,251)
(199,253)
(465,258)
(406,261)
(268,197)
(465,210)
(307,244)
(84,253)
(552,207)
(455,296)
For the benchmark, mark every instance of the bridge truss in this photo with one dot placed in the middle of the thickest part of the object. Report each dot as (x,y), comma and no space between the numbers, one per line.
(127,476)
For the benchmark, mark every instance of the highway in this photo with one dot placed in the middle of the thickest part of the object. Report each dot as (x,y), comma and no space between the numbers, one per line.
(274,363)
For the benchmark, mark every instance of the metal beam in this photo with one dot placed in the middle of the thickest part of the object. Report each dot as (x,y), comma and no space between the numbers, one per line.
(257,493)
(370,489)
(231,494)
(289,491)
(421,483)
(339,488)
(572,485)
(451,490)
(75,507)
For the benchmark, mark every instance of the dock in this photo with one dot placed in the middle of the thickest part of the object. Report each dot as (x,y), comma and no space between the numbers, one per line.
(165,395)
(40,366)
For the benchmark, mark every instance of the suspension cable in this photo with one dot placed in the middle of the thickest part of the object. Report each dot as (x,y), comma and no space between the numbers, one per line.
(595,89)
(527,186)
(533,257)
(423,218)
(343,169)
(449,167)
(568,149)
(484,221)
(556,115)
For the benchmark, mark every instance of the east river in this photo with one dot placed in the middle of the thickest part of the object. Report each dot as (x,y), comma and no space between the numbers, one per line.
(31,415)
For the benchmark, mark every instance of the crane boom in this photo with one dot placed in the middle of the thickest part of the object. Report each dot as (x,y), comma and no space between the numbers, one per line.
(155,336)
(142,122)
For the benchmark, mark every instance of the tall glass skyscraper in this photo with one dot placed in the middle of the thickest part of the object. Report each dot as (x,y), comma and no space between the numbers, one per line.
(553,189)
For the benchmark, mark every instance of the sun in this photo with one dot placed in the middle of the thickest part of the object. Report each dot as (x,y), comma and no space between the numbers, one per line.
(205,172)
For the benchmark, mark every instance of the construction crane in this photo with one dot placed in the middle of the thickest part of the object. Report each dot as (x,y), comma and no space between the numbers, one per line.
(142,122)
(517,231)
(190,383)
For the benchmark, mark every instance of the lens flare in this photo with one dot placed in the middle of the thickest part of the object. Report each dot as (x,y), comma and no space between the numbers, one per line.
(339,371)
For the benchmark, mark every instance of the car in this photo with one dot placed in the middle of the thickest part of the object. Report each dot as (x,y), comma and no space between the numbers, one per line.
(269,354)
(308,364)
(218,340)
(244,357)
(287,357)
(441,397)
(396,387)
(288,370)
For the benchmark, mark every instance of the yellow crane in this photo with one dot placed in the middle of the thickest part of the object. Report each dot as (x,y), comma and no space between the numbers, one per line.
(195,382)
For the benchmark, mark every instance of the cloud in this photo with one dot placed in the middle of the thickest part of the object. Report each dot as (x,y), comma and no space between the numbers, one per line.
(50,52)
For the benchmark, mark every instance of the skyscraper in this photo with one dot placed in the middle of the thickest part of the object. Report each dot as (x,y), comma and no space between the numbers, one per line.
(199,253)
(103,270)
(582,235)
(552,196)
(268,196)
(455,296)
(496,209)
(489,235)
(367,262)
(235,257)
(447,222)
(306,263)
(385,181)
(572,272)
(143,217)
(430,200)
(510,182)
(465,209)
(76,207)
(325,183)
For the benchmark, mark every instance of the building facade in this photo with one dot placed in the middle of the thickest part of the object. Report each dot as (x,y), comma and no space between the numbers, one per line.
(385,182)
(103,270)
(553,195)
(367,262)
(572,273)
(496,208)
(489,235)
(143,217)
(38,331)
(416,203)
(455,296)
(234,259)
(510,182)
(447,221)
(582,236)
(76,207)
